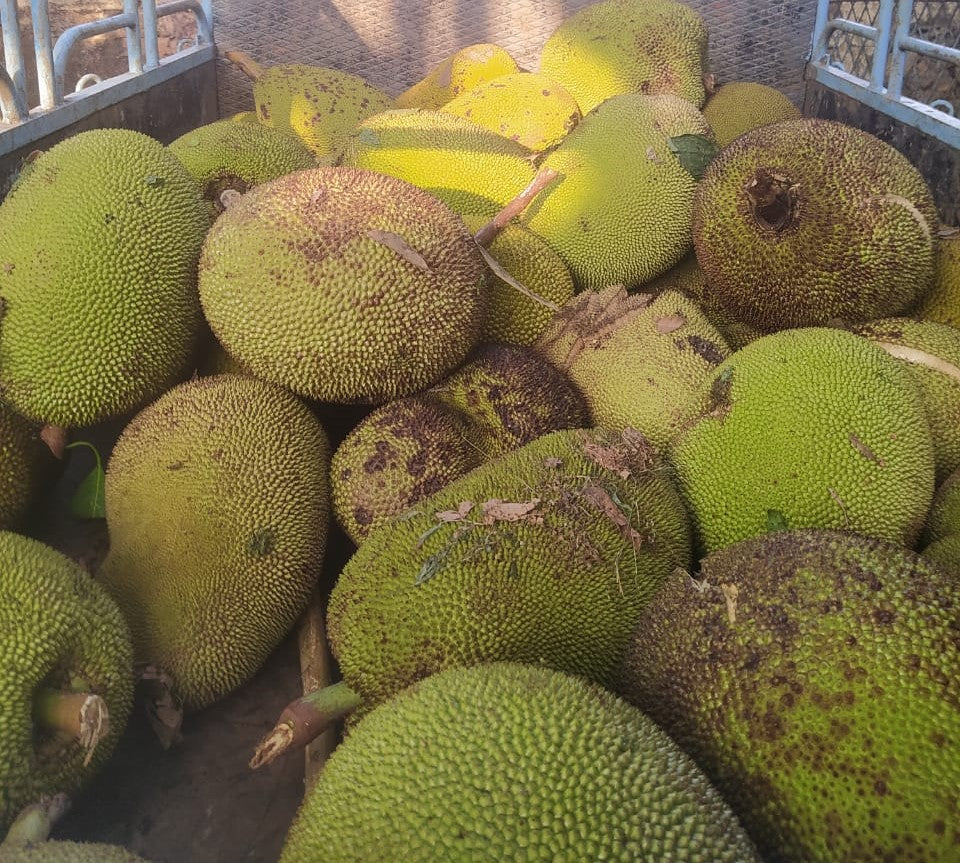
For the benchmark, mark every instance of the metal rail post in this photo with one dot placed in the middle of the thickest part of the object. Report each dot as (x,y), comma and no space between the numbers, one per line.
(12,49)
(150,45)
(43,48)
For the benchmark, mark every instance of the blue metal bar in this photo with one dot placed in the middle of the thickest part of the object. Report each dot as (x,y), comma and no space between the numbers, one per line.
(134,52)
(12,109)
(883,25)
(72,35)
(855,28)
(150,45)
(899,64)
(207,6)
(43,48)
(202,11)
(12,49)
(820,35)
(930,49)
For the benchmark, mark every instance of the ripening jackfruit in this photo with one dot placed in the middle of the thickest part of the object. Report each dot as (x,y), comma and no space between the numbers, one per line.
(101,314)
(942,303)
(620,211)
(525,107)
(932,353)
(469,168)
(217,505)
(343,285)
(545,555)
(65,666)
(639,362)
(461,71)
(804,221)
(628,46)
(813,677)
(235,155)
(740,106)
(25,463)
(814,428)
(510,762)
(944,516)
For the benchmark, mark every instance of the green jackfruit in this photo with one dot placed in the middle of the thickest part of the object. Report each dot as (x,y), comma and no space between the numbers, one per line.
(469,168)
(740,106)
(545,555)
(945,554)
(813,677)
(942,303)
(217,500)
(639,362)
(25,463)
(101,314)
(625,46)
(343,285)
(817,428)
(62,639)
(461,71)
(805,221)
(510,762)
(620,212)
(944,516)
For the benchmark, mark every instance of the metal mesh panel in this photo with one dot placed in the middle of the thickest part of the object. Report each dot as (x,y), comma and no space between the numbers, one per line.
(393,44)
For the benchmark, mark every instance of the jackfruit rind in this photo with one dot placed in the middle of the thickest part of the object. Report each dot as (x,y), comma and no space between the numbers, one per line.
(58,629)
(639,361)
(25,462)
(101,314)
(740,106)
(469,168)
(932,353)
(461,71)
(343,285)
(525,107)
(942,303)
(68,852)
(944,553)
(620,212)
(625,46)
(944,516)
(512,762)
(217,500)
(801,222)
(817,426)
(545,555)
(813,677)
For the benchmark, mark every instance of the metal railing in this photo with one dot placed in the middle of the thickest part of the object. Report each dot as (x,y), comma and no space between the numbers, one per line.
(892,42)
(22,124)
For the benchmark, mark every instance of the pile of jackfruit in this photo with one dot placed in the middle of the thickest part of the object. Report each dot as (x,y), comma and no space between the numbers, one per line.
(651,466)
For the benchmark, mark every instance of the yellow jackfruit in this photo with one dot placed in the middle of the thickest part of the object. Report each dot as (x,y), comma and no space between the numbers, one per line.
(740,106)
(25,462)
(942,303)
(461,71)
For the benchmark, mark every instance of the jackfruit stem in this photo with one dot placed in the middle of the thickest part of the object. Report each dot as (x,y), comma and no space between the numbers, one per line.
(304,719)
(773,199)
(55,437)
(245,63)
(315,673)
(77,714)
(486,235)
(35,823)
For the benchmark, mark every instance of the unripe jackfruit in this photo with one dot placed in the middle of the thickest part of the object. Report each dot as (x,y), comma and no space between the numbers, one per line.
(740,106)
(25,462)
(942,303)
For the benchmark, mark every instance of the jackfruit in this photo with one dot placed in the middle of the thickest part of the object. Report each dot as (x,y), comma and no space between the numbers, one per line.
(545,555)
(525,107)
(469,168)
(638,361)
(514,317)
(319,105)
(343,285)
(942,303)
(66,674)
(626,46)
(101,314)
(510,762)
(620,212)
(461,71)
(217,504)
(236,155)
(813,677)
(740,106)
(817,428)
(25,463)
(932,353)
(944,516)
(805,221)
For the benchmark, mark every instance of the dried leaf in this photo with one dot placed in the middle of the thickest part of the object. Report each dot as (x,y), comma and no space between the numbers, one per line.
(457,514)
(501,273)
(670,323)
(497,510)
(611,458)
(730,594)
(865,451)
(399,245)
(602,501)
(552,461)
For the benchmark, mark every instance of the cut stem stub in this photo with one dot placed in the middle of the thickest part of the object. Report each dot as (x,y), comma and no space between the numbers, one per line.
(81,715)
(773,199)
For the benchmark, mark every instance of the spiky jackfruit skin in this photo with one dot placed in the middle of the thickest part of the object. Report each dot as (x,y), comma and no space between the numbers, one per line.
(817,427)
(236,155)
(620,212)
(59,629)
(945,554)
(942,303)
(944,516)
(545,555)
(804,221)
(625,46)
(512,762)
(101,314)
(469,168)
(740,106)
(68,852)
(461,71)
(401,453)
(343,285)
(813,676)
(320,106)
(217,501)
(525,107)
(513,317)
(25,463)
(638,362)
(932,353)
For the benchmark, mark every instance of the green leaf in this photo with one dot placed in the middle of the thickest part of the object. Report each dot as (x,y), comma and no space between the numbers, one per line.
(776,520)
(695,153)
(154,180)
(430,531)
(87,500)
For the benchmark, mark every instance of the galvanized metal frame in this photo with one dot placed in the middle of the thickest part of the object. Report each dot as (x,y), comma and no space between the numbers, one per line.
(884,89)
